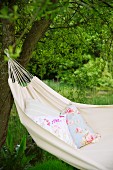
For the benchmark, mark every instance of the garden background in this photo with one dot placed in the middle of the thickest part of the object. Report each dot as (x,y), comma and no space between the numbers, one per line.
(67,44)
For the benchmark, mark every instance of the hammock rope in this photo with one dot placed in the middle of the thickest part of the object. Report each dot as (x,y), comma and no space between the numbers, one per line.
(18,73)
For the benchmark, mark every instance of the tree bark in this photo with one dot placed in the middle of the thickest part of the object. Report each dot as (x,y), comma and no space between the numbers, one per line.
(6,99)
(35,34)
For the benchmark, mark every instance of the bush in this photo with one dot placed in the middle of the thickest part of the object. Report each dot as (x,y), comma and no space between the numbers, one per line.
(14,157)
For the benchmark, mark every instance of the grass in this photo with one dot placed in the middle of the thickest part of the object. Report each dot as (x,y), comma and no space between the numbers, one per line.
(50,165)
(43,160)
(15,126)
(97,97)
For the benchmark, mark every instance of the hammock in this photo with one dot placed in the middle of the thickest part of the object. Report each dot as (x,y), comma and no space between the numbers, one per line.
(98,156)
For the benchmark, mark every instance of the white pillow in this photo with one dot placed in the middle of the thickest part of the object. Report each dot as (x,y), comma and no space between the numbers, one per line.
(57,126)
(35,108)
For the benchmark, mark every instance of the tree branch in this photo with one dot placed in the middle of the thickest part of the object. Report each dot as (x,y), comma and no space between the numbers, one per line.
(35,34)
(107,4)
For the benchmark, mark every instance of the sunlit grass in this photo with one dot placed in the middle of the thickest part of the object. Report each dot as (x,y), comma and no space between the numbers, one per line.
(98,97)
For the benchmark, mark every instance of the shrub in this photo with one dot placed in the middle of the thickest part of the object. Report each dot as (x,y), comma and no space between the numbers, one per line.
(14,157)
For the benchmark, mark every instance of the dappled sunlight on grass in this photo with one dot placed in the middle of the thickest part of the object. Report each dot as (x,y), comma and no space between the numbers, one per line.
(103,97)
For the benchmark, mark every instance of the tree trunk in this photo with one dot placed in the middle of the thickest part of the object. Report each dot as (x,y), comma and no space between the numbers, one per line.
(37,31)
(35,34)
(6,99)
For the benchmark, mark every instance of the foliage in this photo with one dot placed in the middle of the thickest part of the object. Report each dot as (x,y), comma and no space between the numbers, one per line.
(12,157)
(77,51)
(15,126)
(90,74)
(52,164)
(5,13)
(106,80)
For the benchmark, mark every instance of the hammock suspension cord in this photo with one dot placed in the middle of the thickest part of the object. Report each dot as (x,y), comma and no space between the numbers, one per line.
(18,73)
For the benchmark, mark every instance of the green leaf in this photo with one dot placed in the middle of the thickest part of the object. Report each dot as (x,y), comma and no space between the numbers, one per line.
(26,159)
(22,147)
(9,142)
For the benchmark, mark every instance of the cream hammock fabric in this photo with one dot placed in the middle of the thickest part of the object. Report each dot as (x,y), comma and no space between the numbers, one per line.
(98,156)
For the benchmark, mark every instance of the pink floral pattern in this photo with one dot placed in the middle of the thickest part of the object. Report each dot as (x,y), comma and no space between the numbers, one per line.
(89,137)
(57,126)
(80,131)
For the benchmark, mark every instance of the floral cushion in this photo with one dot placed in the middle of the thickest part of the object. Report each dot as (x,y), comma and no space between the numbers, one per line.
(81,133)
(57,126)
